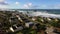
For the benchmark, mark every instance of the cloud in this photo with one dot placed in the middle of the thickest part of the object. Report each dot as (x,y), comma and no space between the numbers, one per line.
(28,5)
(42,6)
(57,6)
(25,5)
(17,3)
(45,6)
(2,0)
(3,3)
(3,6)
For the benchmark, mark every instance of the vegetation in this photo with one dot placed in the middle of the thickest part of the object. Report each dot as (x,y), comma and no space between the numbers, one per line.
(35,29)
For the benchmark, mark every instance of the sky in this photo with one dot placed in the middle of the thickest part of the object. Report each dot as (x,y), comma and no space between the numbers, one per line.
(29,4)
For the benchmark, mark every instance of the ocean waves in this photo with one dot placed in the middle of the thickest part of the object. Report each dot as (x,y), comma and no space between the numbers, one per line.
(44,14)
(41,13)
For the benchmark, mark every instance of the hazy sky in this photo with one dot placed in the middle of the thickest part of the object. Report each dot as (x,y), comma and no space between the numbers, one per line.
(30,4)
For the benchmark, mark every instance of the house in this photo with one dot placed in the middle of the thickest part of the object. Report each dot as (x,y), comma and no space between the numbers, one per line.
(28,24)
(16,28)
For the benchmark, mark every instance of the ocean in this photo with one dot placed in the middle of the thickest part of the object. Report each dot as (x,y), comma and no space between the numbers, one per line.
(54,13)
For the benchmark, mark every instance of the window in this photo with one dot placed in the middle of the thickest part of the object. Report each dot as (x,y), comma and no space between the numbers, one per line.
(14,27)
(18,25)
